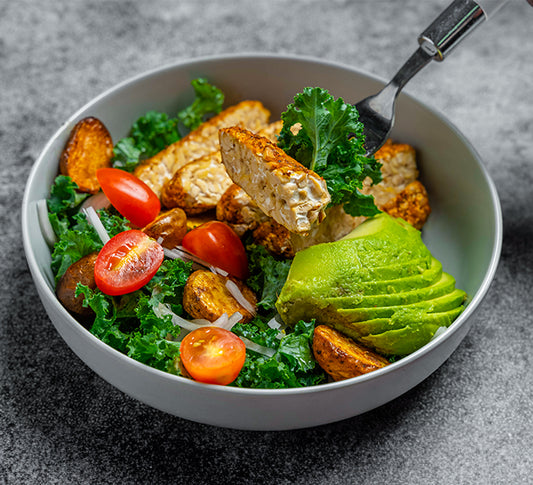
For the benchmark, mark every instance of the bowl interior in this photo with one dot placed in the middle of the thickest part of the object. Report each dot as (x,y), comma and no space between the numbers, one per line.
(464,230)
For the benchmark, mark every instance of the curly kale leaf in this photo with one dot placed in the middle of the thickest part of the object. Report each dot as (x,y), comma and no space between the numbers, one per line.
(209,100)
(330,141)
(64,198)
(293,364)
(155,131)
(75,236)
(267,275)
(129,323)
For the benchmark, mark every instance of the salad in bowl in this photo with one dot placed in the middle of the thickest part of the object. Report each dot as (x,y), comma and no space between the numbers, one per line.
(198,244)
(225,253)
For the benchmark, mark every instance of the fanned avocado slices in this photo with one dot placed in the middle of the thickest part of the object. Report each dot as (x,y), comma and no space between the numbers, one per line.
(395,285)
(444,285)
(379,285)
(411,337)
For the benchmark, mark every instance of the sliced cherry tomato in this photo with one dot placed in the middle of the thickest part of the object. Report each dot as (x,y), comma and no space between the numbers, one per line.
(218,244)
(212,355)
(129,195)
(127,262)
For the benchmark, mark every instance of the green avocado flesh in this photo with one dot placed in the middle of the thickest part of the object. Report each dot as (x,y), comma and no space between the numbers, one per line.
(379,285)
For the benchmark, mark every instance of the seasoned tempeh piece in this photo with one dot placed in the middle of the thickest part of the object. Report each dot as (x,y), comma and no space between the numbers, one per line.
(157,170)
(198,185)
(411,204)
(291,194)
(399,169)
(237,209)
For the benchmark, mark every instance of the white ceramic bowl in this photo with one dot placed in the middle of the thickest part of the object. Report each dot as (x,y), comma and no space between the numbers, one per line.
(464,232)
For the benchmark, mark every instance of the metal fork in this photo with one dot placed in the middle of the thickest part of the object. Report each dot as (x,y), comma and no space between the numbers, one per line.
(452,25)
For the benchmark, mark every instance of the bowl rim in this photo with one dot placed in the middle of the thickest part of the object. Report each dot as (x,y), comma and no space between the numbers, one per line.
(189,63)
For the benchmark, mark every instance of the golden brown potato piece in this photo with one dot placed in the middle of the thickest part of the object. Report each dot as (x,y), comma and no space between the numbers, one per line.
(199,219)
(411,204)
(170,226)
(206,296)
(341,357)
(156,171)
(82,271)
(237,209)
(88,148)
(275,238)
(284,189)
(197,186)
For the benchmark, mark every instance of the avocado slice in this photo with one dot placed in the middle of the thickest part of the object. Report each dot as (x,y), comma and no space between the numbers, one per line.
(396,285)
(406,340)
(444,285)
(365,321)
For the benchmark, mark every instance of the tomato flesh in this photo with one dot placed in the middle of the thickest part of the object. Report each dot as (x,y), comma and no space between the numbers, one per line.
(217,243)
(127,262)
(129,195)
(212,355)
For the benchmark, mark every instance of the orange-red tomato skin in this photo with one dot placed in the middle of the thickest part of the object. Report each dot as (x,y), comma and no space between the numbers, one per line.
(127,262)
(217,243)
(129,195)
(212,355)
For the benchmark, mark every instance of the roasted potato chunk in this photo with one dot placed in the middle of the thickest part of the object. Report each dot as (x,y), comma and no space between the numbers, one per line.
(205,296)
(275,238)
(237,209)
(197,186)
(199,219)
(88,148)
(411,204)
(82,271)
(341,357)
(170,226)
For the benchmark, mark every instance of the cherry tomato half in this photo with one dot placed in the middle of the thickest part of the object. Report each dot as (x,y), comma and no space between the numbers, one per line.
(218,244)
(212,355)
(129,195)
(127,262)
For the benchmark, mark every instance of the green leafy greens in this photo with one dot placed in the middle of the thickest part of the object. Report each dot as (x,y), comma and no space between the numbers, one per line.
(75,236)
(267,275)
(293,364)
(155,131)
(330,142)
(130,323)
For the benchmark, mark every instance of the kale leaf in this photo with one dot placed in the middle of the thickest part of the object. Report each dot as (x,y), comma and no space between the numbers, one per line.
(75,236)
(129,323)
(330,141)
(155,131)
(267,275)
(64,199)
(209,100)
(293,364)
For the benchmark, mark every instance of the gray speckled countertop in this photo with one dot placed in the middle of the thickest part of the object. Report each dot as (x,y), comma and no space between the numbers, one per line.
(470,422)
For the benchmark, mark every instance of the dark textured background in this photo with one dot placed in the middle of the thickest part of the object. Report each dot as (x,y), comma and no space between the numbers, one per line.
(470,422)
